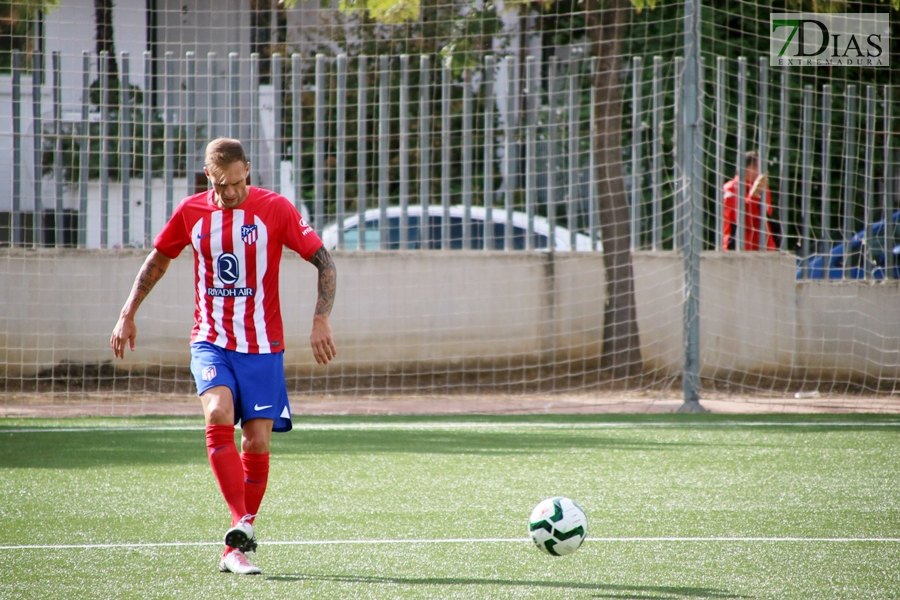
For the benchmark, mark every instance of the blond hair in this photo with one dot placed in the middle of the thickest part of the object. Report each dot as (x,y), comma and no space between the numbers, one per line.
(223,152)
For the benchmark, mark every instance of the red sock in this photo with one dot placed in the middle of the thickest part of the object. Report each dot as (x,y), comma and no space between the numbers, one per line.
(256,475)
(226,466)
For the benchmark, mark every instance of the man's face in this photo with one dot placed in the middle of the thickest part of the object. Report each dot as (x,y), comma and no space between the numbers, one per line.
(229,183)
(752,172)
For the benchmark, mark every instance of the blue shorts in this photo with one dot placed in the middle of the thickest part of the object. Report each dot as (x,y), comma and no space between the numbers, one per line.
(256,381)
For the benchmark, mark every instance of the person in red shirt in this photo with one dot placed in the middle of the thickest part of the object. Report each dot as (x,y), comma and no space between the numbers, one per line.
(237,233)
(754,185)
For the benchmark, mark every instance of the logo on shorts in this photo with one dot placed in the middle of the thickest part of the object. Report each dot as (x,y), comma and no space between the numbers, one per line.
(209,373)
(249,233)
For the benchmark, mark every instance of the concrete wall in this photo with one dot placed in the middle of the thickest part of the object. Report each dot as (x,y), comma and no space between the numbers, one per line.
(439,307)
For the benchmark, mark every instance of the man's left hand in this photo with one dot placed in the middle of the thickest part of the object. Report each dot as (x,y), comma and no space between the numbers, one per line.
(321,341)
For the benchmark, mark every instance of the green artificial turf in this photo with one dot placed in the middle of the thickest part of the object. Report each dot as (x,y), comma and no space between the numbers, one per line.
(678,507)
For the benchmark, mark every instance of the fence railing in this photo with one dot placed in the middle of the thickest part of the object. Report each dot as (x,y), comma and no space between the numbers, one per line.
(371,139)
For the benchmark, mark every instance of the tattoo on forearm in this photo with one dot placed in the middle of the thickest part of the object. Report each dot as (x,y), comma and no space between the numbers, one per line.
(327,281)
(147,277)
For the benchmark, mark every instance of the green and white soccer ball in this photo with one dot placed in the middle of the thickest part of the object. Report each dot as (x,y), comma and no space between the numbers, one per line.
(558,526)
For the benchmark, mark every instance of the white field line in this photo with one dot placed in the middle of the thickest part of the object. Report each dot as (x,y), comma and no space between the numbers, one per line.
(715,539)
(472,426)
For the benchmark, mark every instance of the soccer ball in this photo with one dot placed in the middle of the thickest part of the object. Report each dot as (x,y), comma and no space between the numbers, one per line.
(558,526)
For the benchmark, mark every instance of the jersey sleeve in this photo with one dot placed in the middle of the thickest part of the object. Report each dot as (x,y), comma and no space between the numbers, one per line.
(299,235)
(174,235)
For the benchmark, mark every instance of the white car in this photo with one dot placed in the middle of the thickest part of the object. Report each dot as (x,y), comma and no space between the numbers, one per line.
(541,230)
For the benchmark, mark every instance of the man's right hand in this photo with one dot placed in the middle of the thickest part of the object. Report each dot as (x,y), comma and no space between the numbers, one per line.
(124,332)
(761,183)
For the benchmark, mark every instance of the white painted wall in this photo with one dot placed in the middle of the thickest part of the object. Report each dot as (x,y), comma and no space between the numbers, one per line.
(446,307)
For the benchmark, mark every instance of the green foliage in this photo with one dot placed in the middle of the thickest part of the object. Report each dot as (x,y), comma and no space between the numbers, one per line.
(389,12)
(71,142)
(471,39)
(18,21)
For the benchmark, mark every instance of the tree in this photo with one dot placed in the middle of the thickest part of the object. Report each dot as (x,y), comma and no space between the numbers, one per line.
(18,28)
(103,33)
(621,355)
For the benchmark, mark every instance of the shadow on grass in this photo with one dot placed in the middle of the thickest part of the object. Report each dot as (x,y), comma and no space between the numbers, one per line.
(88,449)
(73,449)
(604,590)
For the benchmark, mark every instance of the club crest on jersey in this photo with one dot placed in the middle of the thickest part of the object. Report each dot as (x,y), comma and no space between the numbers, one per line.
(249,233)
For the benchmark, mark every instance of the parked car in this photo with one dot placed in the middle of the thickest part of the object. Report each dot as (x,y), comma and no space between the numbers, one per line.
(831,265)
(372,234)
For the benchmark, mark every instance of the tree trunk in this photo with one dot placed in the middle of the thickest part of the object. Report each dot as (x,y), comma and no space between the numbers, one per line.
(103,21)
(621,356)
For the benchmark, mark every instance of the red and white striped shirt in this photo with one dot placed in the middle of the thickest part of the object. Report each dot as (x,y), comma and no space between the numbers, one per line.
(237,255)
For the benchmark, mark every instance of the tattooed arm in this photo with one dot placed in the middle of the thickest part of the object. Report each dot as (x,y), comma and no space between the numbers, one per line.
(321,339)
(126,331)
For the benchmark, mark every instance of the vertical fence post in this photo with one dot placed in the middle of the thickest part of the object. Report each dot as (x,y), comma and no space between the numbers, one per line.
(825,228)
(57,150)
(693,232)
(84,144)
(234,95)
(678,143)
(574,163)
(212,80)
(721,131)
(636,133)
(255,145)
(849,175)
(297,128)
(190,121)
(552,152)
(888,154)
(868,256)
(784,152)
(16,237)
(37,120)
(466,164)
(125,145)
(510,152)
(319,157)
(740,221)
(532,83)
(361,150)
(488,168)
(445,155)
(404,152)
(763,149)
(170,115)
(384,148)
(340,187)
(657,134)
(806,177)
(147,141)
(104,149)
(593,200)
(424,149)
(277,121)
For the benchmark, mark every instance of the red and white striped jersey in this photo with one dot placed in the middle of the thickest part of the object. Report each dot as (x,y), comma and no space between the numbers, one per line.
(237,255)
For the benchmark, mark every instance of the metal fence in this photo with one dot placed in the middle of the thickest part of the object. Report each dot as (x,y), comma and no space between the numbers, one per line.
(403,133)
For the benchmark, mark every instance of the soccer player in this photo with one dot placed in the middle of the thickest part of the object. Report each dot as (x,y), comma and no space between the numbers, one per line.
(237,233)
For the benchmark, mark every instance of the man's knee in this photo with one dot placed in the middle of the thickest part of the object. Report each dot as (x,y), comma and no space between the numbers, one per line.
(256,435)
(218,406)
